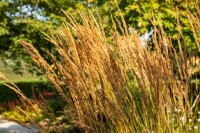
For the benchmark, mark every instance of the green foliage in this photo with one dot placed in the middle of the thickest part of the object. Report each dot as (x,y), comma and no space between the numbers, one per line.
(26,20)
(25,116)
(29,88)
(54,106)
(138,14)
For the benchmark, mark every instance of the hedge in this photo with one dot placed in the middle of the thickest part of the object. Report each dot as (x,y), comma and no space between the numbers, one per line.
(27,87)
(36,86)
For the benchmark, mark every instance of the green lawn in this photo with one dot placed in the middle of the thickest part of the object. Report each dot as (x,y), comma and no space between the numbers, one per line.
(12,76)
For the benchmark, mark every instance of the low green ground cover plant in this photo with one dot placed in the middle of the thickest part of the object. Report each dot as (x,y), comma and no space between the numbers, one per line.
(23,117)
(115,84)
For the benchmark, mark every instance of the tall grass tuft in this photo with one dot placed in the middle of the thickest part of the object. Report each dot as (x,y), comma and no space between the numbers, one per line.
(114,83)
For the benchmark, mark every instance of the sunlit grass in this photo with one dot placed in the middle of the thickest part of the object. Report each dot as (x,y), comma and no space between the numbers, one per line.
(112,83)
(115,84)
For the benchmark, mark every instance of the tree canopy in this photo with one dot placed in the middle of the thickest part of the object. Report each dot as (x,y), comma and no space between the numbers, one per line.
(166,12)
(26,20)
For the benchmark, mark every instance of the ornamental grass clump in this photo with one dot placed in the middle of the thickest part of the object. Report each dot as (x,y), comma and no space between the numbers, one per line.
(115,84)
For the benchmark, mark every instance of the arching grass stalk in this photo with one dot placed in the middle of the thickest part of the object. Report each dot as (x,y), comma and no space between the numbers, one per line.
(114,83)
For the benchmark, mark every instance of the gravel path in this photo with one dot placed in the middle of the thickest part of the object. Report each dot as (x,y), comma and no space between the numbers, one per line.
(13,127)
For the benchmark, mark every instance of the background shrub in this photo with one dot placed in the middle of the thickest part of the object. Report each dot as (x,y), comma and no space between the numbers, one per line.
(31,89)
